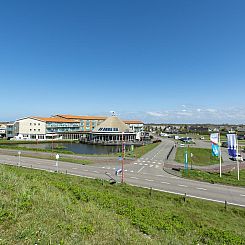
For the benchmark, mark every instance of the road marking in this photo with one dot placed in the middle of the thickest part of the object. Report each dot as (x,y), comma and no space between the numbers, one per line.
(141,164)
(151,166)
(159,163)
(85,170)
(153,162)
(74,168)
(242,195)
(159,175)
(149,180)
(149,161)
(125,170)
(200,188)
(143,161)
(131,171)
(146,164)
(156,166)
(133,177)
(103,167)
(140,169)
(183,185)
(114,168)
(165,183)
(173,177)
(95,171)
(135,163)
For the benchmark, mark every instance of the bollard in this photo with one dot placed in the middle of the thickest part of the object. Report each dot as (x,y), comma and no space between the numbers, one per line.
(66,171)
(225,205)
(185,197)
(150,191)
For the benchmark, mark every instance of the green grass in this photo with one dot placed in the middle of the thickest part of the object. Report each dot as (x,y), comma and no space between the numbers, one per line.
(229,178)
(141,150)
(22,148)
(61,159)
(50,208)
(14,142)
(201,156)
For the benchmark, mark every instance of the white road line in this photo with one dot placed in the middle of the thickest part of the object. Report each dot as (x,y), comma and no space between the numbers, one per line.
(125,170)
(159,175)
(149,180)
(95,171)
(173,177)
(183,185)
(159,163)
(146,164)
(74,168)
(135,163)
(140,169)
(153,162)
(165,183)
(131,171)
(200,188)
(143,161)
(149,161)
(242,195)
(133,177)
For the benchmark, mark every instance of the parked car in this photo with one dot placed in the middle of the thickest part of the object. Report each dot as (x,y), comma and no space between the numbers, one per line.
(224,144)
(238,157)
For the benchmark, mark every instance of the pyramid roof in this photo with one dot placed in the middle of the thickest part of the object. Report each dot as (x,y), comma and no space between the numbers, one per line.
(112,124)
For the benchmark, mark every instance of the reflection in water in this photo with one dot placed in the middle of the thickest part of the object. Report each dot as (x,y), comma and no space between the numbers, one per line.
(76,147)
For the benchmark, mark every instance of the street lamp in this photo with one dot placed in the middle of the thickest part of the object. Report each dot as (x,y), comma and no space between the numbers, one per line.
(57,162)
(19,153)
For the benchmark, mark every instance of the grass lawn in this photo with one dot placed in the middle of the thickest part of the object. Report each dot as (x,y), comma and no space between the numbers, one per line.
(49,208)
(141,150)
(229,178)
(201,156)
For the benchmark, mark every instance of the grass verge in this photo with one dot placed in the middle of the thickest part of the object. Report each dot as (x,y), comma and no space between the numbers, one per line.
(229,178)
(50,208)
(201,156)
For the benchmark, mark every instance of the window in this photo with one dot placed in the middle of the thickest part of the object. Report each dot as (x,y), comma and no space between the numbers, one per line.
(30,129)
(34,129)
(30,124)
(38,124)
(39,129)
(34,124)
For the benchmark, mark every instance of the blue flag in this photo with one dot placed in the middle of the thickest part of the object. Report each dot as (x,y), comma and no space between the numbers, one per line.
(215,150)
(232,144)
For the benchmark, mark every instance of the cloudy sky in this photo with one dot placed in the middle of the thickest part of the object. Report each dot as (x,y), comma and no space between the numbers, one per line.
(158,61)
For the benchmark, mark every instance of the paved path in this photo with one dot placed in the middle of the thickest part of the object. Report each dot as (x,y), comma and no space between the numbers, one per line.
(145,172)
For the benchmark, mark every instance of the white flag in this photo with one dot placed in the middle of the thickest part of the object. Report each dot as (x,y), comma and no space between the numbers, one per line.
(214,138)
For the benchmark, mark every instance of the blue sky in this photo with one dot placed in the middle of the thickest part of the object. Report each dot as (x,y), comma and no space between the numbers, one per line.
(159,61)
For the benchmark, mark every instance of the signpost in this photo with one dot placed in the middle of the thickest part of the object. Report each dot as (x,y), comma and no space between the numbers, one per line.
(19,153)
(57,162)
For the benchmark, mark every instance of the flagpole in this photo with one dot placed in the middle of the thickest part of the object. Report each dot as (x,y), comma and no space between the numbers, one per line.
(219,157)
(237,161)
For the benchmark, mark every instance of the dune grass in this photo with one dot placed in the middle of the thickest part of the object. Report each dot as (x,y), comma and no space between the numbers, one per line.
(49,208)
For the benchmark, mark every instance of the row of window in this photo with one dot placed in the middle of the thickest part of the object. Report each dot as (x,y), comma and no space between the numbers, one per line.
(35,124)
(35,129)
(108,129)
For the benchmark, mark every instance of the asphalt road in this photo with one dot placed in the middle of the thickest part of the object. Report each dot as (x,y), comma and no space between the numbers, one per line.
(145,172)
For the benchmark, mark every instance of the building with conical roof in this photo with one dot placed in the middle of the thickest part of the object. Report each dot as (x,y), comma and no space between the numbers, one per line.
(113,129)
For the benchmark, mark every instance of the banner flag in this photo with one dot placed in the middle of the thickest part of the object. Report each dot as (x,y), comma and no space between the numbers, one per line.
(186,160)
(232,144)
(215,150)
(214,138)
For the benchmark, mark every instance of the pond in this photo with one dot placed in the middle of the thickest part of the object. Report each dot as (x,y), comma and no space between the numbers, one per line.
(76,147)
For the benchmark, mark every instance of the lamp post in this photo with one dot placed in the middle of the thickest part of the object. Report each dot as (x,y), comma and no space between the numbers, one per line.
(57,162)
(123,156)
(19,153)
